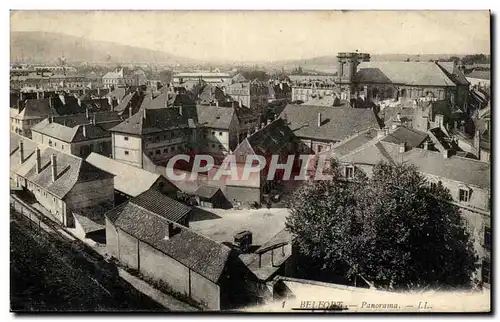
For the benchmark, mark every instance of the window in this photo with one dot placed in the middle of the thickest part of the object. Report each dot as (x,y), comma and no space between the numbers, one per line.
(172,149)
(125,138)
(433,186)
(213,133)
(55,143)
(349,172)
(62,146)
(165,150)
(485,271)
(50,142)
(487,237)
(319,148)
(213,146)
(220,133)
(126,152)
(157,151)
(463,195)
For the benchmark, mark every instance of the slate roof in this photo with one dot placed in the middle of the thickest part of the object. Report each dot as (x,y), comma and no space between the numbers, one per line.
(465,170)
(204,256)
(29,147)
(338,123)
(453,72)
(411,137)
(172,99)
(215,117)
(157,120)
(129,180)
(36,109)
(70,128)
(206,191)
(273,138)
(71,170)
(407,73)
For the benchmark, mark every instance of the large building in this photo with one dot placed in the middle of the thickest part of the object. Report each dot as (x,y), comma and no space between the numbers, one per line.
(122,77)
(60,183)
(254,95)
(79,134)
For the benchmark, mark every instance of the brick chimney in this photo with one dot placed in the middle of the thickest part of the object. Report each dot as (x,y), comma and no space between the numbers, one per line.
(38,161)
(21,152)
(53,165)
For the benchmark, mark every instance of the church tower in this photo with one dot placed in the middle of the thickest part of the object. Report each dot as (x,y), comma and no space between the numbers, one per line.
(347,66)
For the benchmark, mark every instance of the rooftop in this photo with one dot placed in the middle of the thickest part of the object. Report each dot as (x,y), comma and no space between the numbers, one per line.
(203,255)
(263,223)
(129,180)
(407,73)
(71,170)
(337,123)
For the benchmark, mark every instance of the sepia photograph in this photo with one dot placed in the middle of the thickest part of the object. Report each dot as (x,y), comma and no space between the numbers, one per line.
(250,161)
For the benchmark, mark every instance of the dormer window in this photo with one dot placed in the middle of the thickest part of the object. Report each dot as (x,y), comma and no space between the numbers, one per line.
(464,195)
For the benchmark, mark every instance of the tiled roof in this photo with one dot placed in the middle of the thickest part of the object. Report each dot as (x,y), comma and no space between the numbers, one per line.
(129,180)
(411,137)
(71,170)
(338,123)
(407,73)
(204,256)
(206,191)
(158,203)
(156,120)
(35,109)
(465,170)
(215,117)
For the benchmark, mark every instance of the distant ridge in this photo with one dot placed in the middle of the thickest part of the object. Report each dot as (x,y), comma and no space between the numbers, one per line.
(44,47)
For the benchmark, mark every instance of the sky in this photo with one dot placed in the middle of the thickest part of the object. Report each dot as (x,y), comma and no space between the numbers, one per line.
(272,35)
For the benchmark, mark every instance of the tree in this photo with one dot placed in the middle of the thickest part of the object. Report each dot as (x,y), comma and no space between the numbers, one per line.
(392,229)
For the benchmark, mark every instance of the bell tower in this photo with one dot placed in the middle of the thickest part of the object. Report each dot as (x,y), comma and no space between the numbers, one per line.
(347,66)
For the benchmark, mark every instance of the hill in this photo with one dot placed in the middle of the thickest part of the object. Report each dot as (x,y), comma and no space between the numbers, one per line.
(43,47)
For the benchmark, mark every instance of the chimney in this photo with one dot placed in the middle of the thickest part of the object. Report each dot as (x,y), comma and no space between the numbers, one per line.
(130,111)
(217,103)
(21,152)
(87,113)
(381,133)
(38,160)
(166,101)
(38,95)
(84,130)
(99,91)
(21,96)
(144,113)
(53,164)
(319,119)
(172,229)
(239,103)
(243,240)
(269,121)
(256,128)
(93,119)
(446,154)
(398,117)
(180,109)
(426,145)
(402,147)
(79,102)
